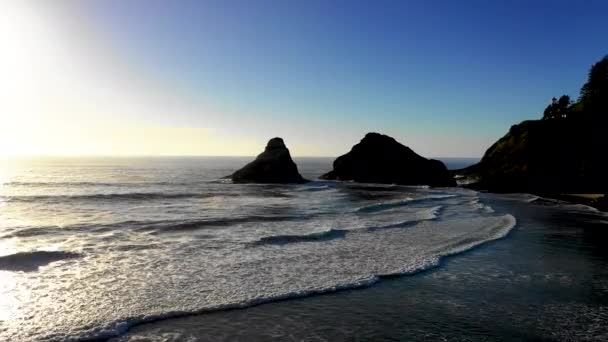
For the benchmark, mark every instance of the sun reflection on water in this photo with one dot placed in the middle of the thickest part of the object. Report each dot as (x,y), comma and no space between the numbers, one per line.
(10,296)
(11,293)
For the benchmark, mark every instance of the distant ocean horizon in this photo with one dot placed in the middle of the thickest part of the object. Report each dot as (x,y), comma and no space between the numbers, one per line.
(452,163)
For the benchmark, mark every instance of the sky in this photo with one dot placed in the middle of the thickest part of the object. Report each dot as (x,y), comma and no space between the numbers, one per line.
(147,77)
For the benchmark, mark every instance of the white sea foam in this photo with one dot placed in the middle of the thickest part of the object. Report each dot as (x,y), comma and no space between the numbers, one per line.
(405,201)
(534,199)
(498,228)
(476,203)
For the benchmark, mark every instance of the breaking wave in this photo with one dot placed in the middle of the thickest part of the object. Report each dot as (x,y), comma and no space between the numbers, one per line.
(316,188)
(315,236)
(406,201)
(457,246)
(147,226)
(426,215)
(130,196)
(31,261)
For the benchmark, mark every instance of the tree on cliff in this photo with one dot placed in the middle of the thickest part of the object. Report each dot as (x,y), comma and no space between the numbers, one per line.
(594,93)
(549,112)
(558,109)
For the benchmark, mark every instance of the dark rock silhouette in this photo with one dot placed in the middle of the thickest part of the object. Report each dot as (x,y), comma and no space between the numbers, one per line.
(274,165)
(546,157)
(563,153)
(379,158)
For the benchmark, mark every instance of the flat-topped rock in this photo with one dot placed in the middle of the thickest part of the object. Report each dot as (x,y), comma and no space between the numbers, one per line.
(274,165)
(379,158)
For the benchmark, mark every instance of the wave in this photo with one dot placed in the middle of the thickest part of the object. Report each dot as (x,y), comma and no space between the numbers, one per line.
(330,234)
(109,196)
(498,231)
(522,197)
(145,226)
(294,238)
(32,231)
(374,187)
(393,204)
(384,187)
(428,215)
(538,200)
(175,226)
(97,184)
(29,231)
(570,206)
(315,188)
(545,201)
(484,208)
(584,207)
(31,261)
(120,327)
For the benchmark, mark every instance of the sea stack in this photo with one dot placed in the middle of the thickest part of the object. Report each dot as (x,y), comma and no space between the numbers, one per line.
(379,158)
(274,165)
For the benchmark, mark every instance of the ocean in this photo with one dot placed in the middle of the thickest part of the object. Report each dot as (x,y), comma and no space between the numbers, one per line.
(164,249)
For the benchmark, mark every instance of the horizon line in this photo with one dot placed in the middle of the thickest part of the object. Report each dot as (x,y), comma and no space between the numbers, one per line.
(30,156)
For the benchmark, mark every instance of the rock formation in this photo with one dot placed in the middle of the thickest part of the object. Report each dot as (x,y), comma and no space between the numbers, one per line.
(563,153)
(546,156)
(379,158)
(274,165)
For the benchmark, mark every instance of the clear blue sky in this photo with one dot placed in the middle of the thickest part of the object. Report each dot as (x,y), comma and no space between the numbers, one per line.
(445,77)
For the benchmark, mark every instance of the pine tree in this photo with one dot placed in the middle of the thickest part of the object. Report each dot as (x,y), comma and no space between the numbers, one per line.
(594,94)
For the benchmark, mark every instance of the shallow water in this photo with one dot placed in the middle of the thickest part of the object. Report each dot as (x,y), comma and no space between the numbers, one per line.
(165,237)
(546,281)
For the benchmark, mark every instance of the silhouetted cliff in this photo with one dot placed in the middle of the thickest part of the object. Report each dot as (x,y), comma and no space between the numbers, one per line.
(567,151)
(549,156)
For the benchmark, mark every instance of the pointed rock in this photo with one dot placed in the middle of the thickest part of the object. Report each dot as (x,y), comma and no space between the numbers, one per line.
(274,165)
(379,158)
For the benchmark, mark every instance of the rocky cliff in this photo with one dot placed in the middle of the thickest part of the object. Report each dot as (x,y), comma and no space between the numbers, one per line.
(547,156)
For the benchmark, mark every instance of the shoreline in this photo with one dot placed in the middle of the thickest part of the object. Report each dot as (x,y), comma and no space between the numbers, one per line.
(597,201)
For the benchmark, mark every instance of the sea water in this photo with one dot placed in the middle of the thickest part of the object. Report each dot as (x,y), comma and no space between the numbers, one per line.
(91,248)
